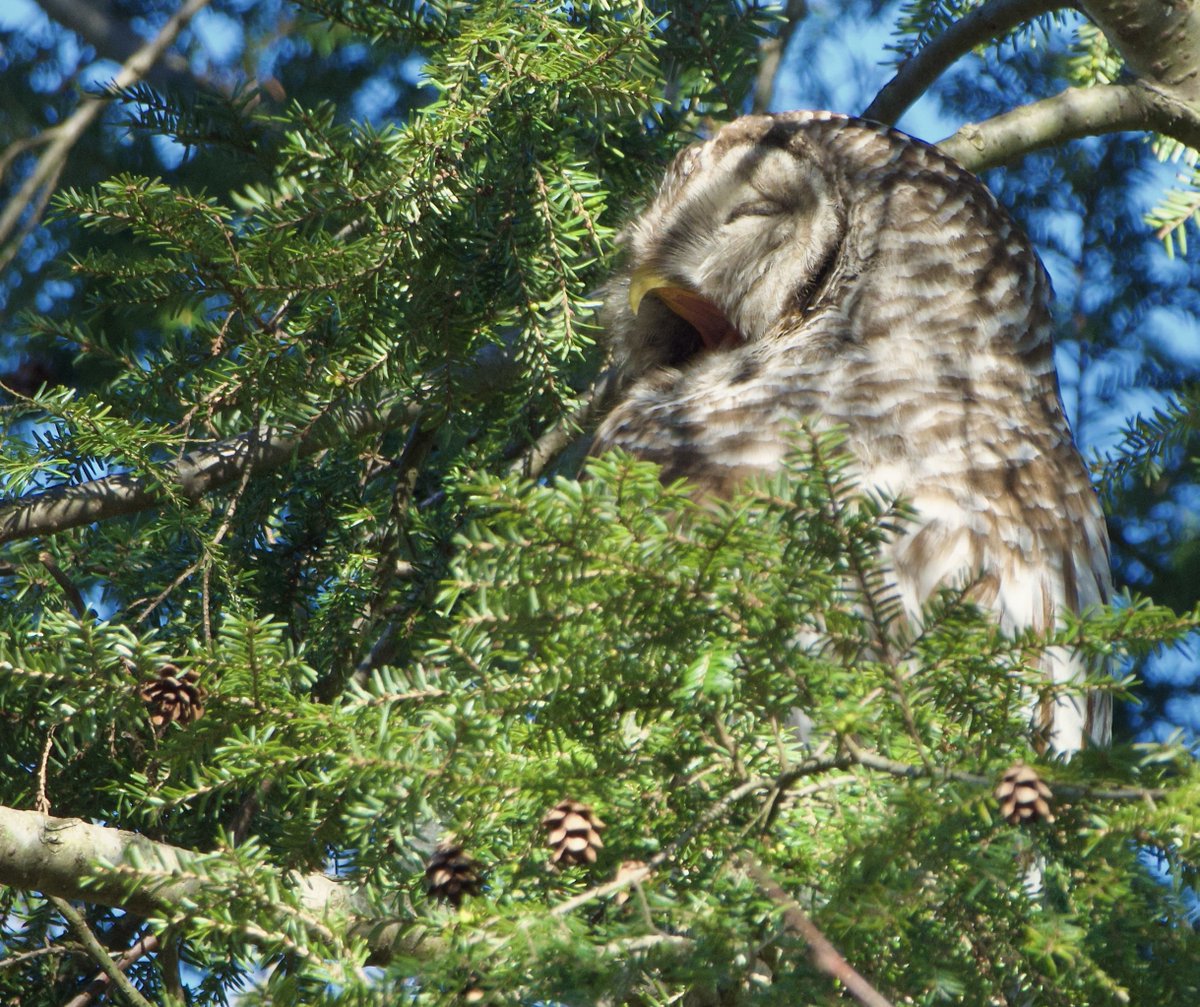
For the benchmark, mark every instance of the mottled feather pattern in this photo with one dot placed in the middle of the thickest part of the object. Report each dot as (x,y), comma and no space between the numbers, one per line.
(876,285)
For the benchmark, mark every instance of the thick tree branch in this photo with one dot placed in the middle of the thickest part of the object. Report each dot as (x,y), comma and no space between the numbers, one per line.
(924,66)
(196,473)
(824,955)
(1074,113)
(59,857)
(1158,39)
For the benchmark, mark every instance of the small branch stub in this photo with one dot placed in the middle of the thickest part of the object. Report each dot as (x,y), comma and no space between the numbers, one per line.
(1024,798)
(573,833)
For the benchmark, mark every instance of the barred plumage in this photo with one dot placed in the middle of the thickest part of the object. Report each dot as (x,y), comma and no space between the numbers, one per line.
(812,266)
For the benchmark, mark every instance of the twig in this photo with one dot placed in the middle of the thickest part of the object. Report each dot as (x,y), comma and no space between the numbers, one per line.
(824,955)
(533,459)
(923,67)
(219,534)
(880,764)
(42,801)
(809,767)
(85,936)
(68,586)
(113,40)
(49,949)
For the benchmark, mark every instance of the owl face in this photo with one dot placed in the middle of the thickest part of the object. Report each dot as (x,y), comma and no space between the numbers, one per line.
(735,244)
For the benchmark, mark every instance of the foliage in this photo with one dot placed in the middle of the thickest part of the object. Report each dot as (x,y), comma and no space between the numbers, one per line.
(402,637)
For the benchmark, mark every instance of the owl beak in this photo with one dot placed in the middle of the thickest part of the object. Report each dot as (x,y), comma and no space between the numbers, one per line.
(698,311)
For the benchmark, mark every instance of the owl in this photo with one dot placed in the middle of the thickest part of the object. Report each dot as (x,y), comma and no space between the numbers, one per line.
(813,267)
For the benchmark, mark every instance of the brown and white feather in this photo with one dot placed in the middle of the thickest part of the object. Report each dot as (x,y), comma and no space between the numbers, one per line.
(876,285)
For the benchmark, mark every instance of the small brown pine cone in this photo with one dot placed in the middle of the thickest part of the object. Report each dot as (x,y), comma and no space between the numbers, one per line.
(451,874)
(573,833)
(1023,797)
(173,697)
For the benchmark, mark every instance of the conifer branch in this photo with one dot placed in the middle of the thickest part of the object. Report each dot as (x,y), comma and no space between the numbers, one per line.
(198,472)
(922,68)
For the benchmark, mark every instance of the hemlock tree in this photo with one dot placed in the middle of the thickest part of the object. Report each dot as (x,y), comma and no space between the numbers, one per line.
(324,679)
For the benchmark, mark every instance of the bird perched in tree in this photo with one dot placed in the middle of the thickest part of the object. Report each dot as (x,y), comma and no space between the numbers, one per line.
(813,267)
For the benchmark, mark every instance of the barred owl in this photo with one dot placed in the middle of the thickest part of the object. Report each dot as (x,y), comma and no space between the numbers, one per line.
(811,266)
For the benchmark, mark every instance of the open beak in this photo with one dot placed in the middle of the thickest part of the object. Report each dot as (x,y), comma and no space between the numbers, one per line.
(698,311)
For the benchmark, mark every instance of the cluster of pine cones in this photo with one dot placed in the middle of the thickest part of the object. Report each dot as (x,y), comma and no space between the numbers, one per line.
(572,833)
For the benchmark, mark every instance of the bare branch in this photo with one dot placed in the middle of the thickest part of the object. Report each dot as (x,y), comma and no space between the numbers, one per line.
(99,985)
(198,472)
(771,52)
(88,939)
(1076,112)
(923,67)
(824,955)
(114,40)
(67,134)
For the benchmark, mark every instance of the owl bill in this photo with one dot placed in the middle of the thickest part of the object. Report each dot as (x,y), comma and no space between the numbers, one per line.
(698,311)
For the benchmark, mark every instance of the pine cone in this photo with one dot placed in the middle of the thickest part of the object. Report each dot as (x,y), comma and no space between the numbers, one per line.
(173,696)
(1023,797)
(573,833)
(451,874)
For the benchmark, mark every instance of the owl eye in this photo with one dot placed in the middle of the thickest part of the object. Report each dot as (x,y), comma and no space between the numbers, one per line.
(754,208)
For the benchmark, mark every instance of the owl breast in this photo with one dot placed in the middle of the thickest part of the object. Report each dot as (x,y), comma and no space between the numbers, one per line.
(810,268)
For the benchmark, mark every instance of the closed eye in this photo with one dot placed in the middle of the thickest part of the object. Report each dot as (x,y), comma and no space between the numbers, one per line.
(754,208)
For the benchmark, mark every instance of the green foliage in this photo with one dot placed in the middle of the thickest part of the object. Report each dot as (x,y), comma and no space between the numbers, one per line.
(400,637)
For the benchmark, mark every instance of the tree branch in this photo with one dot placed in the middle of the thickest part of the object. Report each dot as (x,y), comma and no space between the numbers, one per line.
(1076,112)
(824,955)
(196,473)
(116,41)
(771,52)
(52,856)
(924,66)
(85,936)
(1158,39)
(67,134)
(99,985)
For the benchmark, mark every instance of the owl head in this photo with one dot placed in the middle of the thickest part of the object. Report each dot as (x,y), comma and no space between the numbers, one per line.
(738,241)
